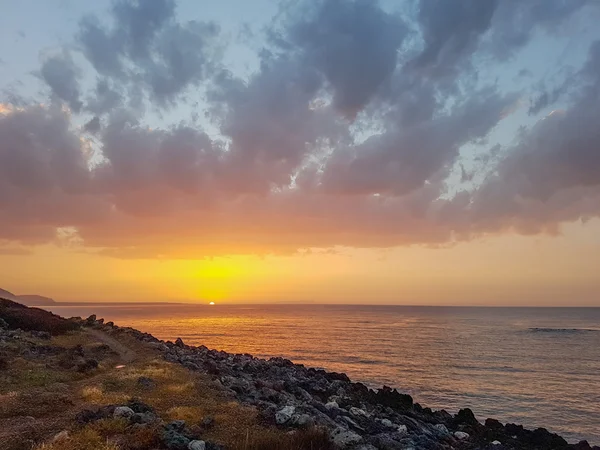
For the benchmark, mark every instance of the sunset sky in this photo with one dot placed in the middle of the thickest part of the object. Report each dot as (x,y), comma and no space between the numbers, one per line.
(333,151)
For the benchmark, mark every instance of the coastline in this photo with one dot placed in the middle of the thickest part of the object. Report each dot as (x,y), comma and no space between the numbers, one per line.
(292,395)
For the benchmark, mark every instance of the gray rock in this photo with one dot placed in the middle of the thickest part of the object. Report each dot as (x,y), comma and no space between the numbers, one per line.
(358,412)
(174,440)
(344,438)
(302,420)
(331,405)
(461,435)
(197,445)
(441,428)
(124,412)
(403,429)
(179,343)
(284,414)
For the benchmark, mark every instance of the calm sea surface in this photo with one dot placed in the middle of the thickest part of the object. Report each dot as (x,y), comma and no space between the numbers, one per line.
(535,366)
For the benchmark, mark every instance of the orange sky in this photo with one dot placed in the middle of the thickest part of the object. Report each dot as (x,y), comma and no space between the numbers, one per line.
(505,270)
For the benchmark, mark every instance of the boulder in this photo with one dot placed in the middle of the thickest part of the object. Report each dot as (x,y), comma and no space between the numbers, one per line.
(196,445)
(179,343)
(123,412)
(344,438)
(461,435)
(284,414)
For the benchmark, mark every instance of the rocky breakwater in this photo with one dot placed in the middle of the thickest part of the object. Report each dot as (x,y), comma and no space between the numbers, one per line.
(293,396)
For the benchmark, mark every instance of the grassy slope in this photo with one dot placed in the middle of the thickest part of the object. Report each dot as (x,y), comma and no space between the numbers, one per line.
(39,397)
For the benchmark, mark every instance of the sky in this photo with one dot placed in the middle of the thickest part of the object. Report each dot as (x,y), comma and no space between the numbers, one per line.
(316,151)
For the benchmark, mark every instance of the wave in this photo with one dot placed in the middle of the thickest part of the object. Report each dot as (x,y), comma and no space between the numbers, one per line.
(563,330)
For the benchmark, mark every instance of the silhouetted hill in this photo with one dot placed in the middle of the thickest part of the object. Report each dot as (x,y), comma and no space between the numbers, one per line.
(27,299)
(34,300)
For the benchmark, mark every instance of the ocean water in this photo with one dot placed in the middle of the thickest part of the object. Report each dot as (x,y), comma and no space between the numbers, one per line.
(534,366)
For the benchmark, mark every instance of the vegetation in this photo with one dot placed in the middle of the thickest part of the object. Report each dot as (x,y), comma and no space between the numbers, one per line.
(42,391)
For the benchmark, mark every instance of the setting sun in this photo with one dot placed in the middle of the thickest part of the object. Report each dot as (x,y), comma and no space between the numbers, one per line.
(211,303)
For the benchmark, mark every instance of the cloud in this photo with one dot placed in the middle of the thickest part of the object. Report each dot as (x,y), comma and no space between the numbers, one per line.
(354,44)
(62,76)
(146,48)
(359,128)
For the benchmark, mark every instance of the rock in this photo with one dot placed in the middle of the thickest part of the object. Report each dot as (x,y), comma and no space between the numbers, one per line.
(441,428)
(386,423)
(403,429)
(179,343)
(197,445)
(110,324)
(284,414)
(496,443)
(174,440)
(176,425)
(143,418)
(3,324)
(139,407)
(302,420)
(465,416)
(124,412)
(461,435)
(344,438)
(358,412)
(392,398)
(332,405)
(145,382)
(91,319)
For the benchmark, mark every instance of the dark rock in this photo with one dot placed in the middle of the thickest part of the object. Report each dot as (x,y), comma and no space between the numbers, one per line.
(493,424)
(110,324)
(465,416)
(392,398)
(91,319)
(140,407)
(174,440)
(179,343)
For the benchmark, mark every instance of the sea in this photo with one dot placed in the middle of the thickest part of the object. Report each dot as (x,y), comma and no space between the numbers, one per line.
(539,367)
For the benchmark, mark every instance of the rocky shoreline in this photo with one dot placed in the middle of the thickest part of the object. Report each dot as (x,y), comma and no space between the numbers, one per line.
(293,396)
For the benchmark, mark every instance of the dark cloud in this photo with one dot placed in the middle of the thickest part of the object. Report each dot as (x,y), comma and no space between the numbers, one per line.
(62,76)
(146,49)
(354,44)
(405,158)
(451,32)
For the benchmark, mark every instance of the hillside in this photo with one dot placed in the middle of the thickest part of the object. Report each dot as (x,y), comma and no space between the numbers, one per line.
(27,299)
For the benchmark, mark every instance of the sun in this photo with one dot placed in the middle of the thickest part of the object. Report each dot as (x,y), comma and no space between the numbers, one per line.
(211,303)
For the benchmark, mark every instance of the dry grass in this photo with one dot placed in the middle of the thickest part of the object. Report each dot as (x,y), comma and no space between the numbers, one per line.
(53,395)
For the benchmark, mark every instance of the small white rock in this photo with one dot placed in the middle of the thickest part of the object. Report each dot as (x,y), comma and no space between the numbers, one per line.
(496,443)
(331,405)
(358,412)
(284,414)
(461,435)
(123,411)
(197,445)
(386,423)
(441,428)
(402,429)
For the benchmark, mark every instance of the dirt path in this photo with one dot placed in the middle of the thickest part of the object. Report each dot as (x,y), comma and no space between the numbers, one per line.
(125,353)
